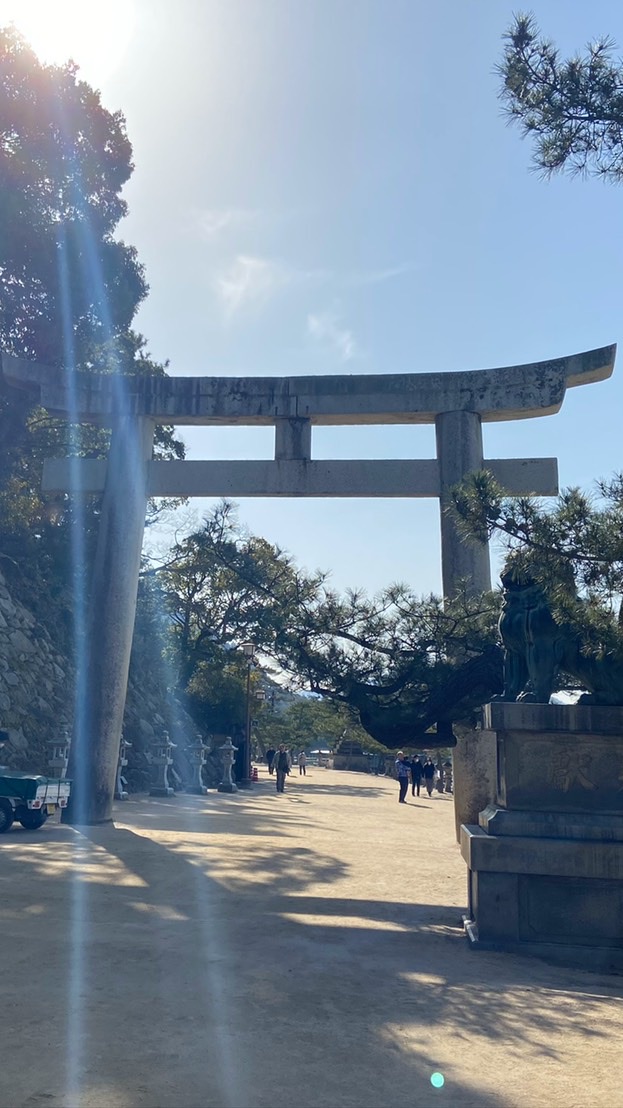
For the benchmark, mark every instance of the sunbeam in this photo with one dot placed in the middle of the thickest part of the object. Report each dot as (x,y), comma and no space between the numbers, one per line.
(79,906)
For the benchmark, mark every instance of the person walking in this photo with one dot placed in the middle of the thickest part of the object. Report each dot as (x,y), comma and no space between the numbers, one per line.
(402,773)
(428,771)
(282,767)
(416,775)
(270,758)
(302,763)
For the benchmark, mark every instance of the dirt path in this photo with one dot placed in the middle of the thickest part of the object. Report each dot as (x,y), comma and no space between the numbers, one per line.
(267,951)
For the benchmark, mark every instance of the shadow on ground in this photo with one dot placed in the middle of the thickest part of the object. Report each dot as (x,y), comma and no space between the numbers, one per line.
(181,978)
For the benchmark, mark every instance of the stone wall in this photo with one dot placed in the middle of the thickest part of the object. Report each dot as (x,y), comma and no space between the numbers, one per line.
(34,684)
(37,698)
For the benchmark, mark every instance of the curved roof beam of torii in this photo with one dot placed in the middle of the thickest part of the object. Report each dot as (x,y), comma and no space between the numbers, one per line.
(506,393)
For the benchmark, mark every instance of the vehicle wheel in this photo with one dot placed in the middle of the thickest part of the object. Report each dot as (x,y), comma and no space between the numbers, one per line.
(32,820)
(6,815)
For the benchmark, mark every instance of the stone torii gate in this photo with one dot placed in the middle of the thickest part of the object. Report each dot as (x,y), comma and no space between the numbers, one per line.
(456,403)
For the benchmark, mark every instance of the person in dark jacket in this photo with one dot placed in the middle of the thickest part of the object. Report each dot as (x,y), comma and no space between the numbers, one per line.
(417,770)
(282,767)
(270,758)
(402,773)
(428,771)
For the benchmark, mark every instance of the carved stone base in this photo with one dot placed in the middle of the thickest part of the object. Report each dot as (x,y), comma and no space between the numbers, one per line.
(546,860)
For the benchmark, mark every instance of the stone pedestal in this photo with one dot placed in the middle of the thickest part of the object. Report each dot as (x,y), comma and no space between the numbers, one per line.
(546,859)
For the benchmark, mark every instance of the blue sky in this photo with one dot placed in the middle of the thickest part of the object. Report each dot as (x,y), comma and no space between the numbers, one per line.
(330,187)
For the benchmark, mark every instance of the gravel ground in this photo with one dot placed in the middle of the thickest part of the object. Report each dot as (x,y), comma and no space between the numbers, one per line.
(302,950)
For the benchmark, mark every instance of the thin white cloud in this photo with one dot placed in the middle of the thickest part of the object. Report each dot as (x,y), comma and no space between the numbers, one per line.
(378,276)
(249,282)
(326,328)
(214,220)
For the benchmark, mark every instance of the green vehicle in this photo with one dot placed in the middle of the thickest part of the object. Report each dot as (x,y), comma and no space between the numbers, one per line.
(30,799)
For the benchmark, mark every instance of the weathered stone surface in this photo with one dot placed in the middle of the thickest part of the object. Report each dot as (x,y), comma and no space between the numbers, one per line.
(593,860)
(460,452)
(511,392)
(566,718)
(39,694)
(546,862)
(474,771)
(17,739)
(558,757)
(362,477)
(538,825)
(20,642)
(553,917)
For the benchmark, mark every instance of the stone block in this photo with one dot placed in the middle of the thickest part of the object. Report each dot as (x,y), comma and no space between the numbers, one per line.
(566,825)
(494,903)
(474,772)
(503,715)
(553,918)
(563,758)
(552,857)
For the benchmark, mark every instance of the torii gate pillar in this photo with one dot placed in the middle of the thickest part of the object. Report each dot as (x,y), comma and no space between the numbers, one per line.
(460,451)
(111,605)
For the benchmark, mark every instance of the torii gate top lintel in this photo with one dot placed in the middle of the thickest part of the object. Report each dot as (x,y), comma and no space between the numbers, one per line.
(506,393)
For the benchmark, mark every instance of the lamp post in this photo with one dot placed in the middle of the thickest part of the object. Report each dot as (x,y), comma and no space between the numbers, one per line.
(248,649)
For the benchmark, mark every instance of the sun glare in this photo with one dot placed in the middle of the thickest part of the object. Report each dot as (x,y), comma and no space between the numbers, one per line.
(94,35)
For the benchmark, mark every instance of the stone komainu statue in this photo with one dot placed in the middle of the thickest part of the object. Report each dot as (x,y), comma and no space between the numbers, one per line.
(536,649)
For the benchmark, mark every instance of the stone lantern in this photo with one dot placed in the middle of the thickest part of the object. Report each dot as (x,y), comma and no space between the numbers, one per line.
(59,753)
(120,790)
(197,756)
(161,759)
(228,754)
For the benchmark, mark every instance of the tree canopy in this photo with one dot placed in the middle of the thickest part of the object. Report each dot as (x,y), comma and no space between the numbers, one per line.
(69,290)
(572,108)
(66,284)
(403,663)
(573,549)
